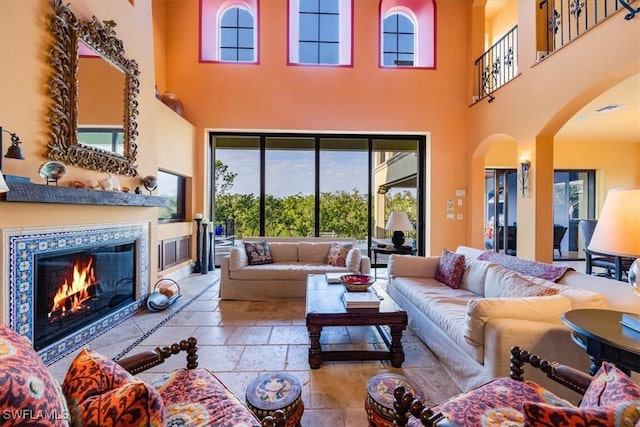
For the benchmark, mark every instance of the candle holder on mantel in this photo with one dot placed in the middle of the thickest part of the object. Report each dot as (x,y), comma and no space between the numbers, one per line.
(197,267)
(205,225)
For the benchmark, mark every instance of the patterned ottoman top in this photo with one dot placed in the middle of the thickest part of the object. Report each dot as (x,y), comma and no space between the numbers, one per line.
(273,391)
(380,388)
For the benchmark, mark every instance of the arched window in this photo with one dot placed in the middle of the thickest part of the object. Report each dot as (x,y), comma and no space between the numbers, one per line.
(398,40)
(236,35)
(229,30)
(320,32)
(407,33)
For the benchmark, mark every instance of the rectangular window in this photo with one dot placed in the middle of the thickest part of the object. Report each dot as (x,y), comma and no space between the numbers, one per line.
(172,187)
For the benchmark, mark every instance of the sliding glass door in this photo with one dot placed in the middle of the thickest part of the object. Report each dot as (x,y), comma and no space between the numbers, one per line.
(300,185)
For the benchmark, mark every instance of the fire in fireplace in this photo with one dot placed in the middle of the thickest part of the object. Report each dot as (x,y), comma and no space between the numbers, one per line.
(74,288)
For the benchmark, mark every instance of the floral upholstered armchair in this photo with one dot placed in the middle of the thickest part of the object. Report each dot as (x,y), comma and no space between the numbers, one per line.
(99,392)
(610,398)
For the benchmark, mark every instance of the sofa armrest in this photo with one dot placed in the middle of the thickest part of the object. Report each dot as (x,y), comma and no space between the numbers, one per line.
(482,310)
(140,362)
(412,266)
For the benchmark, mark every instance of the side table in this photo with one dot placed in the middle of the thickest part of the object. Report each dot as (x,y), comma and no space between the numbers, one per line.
(388,250)
(601,335)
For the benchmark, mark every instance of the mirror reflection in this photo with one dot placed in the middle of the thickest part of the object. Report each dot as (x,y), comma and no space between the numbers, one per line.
(100,108)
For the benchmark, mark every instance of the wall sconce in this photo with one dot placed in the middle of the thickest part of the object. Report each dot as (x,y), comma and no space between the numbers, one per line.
(525,165)
(13,152)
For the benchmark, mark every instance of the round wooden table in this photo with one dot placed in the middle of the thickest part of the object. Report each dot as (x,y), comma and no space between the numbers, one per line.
(601,335)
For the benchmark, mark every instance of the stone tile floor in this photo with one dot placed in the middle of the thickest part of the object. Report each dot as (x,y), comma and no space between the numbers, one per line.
(239,340)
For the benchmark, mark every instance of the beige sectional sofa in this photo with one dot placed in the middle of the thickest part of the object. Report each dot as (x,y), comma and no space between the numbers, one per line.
(472,328)
(294,259)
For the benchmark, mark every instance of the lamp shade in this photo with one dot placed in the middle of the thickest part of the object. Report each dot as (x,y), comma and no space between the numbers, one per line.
(398,221)
(618,229)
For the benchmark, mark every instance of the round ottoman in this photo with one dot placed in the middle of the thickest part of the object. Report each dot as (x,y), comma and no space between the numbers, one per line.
(270,392)
(379,402)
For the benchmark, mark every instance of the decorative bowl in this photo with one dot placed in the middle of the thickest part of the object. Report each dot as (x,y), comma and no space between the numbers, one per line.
(357,282)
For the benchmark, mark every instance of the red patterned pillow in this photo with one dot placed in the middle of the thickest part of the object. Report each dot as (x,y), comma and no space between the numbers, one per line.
(258,253)
(450,269)
(132,404)
(610,386)
(338,253)
(542,414)
(27,388)
(91,374)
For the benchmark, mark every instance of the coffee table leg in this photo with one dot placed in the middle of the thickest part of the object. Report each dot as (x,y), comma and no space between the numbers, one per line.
(315,351)
(397,354)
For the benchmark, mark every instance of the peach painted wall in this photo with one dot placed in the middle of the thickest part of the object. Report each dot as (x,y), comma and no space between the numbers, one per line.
(362,98)
(24,102)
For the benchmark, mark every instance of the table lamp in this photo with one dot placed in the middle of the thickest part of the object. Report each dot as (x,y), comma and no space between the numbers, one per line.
(398,223)
(617,230)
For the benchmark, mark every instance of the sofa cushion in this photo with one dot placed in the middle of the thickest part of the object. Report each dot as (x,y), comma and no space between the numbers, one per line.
(198,397)
(314,252)
(26,384)
(258,253)
(338,253)
(580,298)
(521,287)
(354,259)
(284,252)
(297,271)
(413,266)
(497,278)
(450,269)
(237,259)
(482,310)
(474,275)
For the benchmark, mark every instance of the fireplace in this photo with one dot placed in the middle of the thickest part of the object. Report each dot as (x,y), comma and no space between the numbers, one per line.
(67,286)
(74,288)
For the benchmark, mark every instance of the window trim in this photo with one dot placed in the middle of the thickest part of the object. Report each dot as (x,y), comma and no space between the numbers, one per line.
(211,12)
(345,34)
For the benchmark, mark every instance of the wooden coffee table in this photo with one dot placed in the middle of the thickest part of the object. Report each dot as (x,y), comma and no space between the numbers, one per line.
(326,308)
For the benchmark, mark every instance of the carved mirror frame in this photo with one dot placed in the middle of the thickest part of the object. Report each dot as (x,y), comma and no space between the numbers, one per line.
(68,31)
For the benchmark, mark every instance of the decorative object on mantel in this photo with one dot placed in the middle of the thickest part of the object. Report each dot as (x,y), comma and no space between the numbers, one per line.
(109,183)
(52,172)
(137,190)
(13,152)
(172,101)
(78,184)
(150,182)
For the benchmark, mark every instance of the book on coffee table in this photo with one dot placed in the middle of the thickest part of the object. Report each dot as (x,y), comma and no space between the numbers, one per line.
(367,299)
(334,278)
(631,321)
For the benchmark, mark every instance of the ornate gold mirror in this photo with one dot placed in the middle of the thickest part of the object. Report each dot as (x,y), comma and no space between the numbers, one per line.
(89,67)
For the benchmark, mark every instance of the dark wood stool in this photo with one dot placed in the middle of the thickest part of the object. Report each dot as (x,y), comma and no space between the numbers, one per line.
(270,392)
(379,401)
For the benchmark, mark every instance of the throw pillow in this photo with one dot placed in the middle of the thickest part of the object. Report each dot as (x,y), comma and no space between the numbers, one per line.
(610,386)
(91,374)
(27,385)
(354,259)
(131,404)
(543,414)
(520,287)
(338,253)
(258,253)
(450,269)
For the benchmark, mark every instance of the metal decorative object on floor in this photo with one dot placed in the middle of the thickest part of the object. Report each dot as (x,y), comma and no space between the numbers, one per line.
(165,292)
(270,392)
(379,401)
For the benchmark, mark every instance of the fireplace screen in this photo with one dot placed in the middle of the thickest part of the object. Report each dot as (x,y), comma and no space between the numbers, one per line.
(76,288)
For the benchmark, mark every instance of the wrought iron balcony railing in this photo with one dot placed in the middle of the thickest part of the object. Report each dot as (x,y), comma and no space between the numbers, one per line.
(498,65)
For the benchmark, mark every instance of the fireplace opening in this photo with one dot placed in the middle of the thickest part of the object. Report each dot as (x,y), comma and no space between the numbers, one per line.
(74,288)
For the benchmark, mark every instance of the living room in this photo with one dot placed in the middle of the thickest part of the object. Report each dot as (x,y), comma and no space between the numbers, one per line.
(526,118)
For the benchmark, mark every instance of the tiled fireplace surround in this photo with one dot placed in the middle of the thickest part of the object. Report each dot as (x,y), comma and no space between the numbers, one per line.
(20,247)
